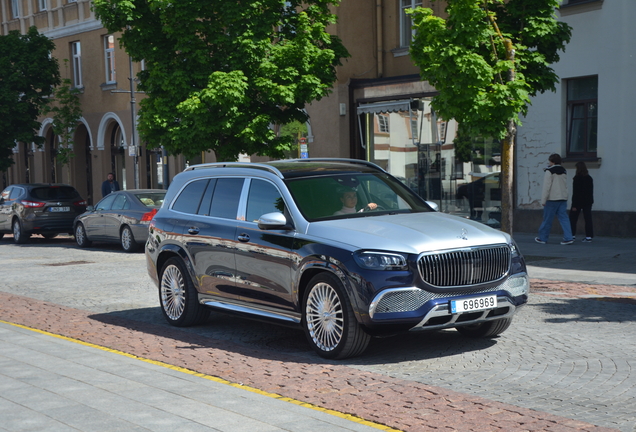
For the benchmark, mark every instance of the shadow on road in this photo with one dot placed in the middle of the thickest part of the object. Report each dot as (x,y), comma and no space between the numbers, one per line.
(597,309)
(278,343)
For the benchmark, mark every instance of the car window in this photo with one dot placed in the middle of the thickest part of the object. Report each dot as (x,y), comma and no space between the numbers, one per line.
(5,193)
(105,203)
(206,201)
(319,197)
(120,203)
(151,199)
(190,197)
(16,193)
(225,200)
(263,198)
(54,193)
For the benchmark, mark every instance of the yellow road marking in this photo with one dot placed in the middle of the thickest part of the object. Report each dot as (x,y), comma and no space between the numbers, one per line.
(334,413)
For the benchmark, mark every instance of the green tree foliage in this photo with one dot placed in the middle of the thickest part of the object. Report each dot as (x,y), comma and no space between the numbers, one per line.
(27,76)
(467,60)
(220,73)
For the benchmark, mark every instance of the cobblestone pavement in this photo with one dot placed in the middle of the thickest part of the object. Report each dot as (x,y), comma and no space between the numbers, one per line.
(566,363)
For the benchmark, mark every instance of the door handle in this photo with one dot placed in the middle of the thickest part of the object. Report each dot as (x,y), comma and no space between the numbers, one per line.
(244,237)
(193,230)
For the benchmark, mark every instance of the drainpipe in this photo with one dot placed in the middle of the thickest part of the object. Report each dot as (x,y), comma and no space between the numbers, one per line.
(379,36)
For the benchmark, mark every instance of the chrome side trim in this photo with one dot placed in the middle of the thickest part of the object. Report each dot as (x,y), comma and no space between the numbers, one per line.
(224,305)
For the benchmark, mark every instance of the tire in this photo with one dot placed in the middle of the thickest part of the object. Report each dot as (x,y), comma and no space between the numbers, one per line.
(19,236)
(49,236)
(486,329)
(178,297)
(328,319)
(80,236)
(127,240)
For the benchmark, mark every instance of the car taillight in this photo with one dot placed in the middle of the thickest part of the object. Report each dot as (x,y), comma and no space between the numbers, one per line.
(32,203)
(81,203)
(148,216)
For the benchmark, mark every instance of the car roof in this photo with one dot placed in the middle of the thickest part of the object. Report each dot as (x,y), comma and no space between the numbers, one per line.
(294,168)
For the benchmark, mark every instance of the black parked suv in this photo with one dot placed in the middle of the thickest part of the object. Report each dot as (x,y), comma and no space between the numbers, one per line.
(39,208)
(337,247)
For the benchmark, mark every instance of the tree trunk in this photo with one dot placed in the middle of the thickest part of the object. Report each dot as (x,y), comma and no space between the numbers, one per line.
(507,175)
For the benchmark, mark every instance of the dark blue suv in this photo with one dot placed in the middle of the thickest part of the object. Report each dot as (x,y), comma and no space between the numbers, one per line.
(337,247)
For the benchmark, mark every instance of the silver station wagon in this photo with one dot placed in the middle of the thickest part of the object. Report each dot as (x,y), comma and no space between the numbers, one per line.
(337,247)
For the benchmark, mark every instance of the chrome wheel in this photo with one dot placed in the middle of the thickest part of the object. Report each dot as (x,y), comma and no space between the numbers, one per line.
(128,240)
(172,292)
(325,317)
(80,236)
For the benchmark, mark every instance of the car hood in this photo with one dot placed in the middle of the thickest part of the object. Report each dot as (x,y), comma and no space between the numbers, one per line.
(408,233)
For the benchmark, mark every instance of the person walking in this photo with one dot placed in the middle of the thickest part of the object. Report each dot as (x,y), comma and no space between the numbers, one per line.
(582,200)
(109,185)
(554,199)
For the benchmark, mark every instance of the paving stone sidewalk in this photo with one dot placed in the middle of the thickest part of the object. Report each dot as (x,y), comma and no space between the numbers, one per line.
(399,404)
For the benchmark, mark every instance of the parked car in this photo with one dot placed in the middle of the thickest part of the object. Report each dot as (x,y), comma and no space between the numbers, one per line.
(120,217)
(39,208)
(271,241)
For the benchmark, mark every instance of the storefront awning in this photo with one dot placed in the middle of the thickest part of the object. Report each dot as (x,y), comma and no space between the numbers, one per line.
(384,107)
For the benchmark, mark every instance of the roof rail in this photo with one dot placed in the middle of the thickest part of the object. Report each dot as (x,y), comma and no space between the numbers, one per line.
(351,161)
(252,165)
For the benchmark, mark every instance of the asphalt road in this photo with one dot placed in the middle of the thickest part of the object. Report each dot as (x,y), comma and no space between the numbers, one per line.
(571,356)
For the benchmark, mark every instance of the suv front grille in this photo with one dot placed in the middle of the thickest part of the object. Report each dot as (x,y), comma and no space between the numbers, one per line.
(464,267)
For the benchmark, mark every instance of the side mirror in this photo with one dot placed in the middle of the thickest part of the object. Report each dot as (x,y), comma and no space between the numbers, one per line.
(433,205)
(275,220)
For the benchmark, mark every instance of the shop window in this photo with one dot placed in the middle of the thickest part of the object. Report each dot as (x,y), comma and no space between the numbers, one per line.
(582,117)
(406,24)
(42,5)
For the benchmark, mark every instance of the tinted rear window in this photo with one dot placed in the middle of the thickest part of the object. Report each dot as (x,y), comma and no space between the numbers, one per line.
(54,193)
(190,198)
(226,197)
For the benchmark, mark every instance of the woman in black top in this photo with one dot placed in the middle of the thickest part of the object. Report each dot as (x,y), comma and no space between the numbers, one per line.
(582,199)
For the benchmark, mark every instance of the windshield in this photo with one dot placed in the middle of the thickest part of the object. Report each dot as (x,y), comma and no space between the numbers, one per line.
(353,195)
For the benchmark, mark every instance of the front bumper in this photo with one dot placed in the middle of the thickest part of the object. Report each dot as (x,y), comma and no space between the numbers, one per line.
(420,309)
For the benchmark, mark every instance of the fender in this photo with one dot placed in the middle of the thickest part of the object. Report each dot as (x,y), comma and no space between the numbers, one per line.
(168,250)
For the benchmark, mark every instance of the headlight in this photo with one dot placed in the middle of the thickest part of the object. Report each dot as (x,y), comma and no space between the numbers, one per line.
(514,249)
(380,261)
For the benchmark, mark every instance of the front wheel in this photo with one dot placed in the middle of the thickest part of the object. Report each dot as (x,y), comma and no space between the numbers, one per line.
(178,297)
(80,236)
(328,319)
(486,329)
(128,242)
(19,236)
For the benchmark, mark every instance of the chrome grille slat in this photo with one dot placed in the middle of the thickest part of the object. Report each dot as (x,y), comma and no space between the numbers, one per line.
(465,267)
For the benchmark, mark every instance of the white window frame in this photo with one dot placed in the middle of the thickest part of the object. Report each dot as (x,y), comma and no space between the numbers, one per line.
(406,26)
(42,5)
(15,8)
(383,123)
(109,59)
(76,54)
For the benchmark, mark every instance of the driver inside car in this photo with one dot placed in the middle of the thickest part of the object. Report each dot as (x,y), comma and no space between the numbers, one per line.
(349,199)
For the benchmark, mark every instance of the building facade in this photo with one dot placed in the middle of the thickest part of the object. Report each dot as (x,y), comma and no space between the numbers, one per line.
(379,110)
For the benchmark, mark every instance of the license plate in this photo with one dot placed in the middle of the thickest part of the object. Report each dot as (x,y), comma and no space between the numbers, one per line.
(59,209)
(473,304)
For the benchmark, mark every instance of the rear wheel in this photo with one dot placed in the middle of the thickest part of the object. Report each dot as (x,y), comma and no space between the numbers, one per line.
(486,329)
(19,236)
(178,297)
(128,242)
(80,236)
(328,319)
